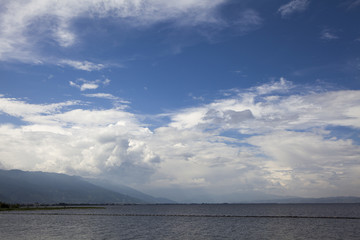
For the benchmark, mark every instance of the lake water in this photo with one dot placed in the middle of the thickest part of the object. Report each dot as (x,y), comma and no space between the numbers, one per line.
(214,221)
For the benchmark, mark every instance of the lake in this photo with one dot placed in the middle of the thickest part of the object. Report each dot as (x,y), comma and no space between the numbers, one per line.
(192,221)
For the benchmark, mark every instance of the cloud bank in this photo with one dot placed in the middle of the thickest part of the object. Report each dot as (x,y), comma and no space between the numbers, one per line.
(276,138)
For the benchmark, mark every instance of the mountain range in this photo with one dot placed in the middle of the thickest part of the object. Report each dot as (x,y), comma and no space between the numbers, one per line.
(50,188)
(24,187)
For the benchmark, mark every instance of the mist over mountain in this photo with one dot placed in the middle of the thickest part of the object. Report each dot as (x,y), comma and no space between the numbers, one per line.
(128,191)
(23,187)
(50,188)
(341,199)
(199,195)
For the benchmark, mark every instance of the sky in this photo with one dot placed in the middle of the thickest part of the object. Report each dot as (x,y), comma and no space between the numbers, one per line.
(193,100)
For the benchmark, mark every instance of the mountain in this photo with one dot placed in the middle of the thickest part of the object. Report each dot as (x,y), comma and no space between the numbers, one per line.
(128,191)
(49,188)
(199,195)
(315,200)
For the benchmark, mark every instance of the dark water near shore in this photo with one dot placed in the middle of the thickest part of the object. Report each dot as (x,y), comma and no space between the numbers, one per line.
(223,221)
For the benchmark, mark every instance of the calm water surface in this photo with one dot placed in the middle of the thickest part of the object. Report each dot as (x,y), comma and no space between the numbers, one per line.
(232,221)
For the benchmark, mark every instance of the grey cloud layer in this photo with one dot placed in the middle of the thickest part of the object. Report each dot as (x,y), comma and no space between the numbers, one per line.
(268,138)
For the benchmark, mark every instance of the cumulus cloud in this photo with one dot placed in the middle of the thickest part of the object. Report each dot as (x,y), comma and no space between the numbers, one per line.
(271,106)
(276,133)
(24,24)
(275,138)
(75,141)
(293,6)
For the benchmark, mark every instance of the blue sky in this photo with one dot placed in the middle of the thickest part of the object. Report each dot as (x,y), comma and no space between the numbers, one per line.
(209,99)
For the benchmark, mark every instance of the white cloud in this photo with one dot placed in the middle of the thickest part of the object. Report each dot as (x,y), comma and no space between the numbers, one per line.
(24,24)
(88,86)
(354,4)
(102,95)
(200,98)
(74,84)
(281,86)
(247,21)
(106,82)
(85,65)
(22,109)
(78,141)
(84,85)
(293,6)
(329,34)
(289,147)
(305,163)
(270,106)
(118,102)
(64,36)
(275,138)
(85,150)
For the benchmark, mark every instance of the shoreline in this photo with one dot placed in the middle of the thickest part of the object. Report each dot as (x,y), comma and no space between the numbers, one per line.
(48,208)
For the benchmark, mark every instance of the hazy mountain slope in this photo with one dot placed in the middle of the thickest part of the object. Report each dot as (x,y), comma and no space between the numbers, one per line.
(29,187)
(128,191)
(316,200)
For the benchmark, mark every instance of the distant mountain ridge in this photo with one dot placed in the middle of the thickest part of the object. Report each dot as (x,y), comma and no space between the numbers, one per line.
(22,187)
(128,191)
(315,200)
